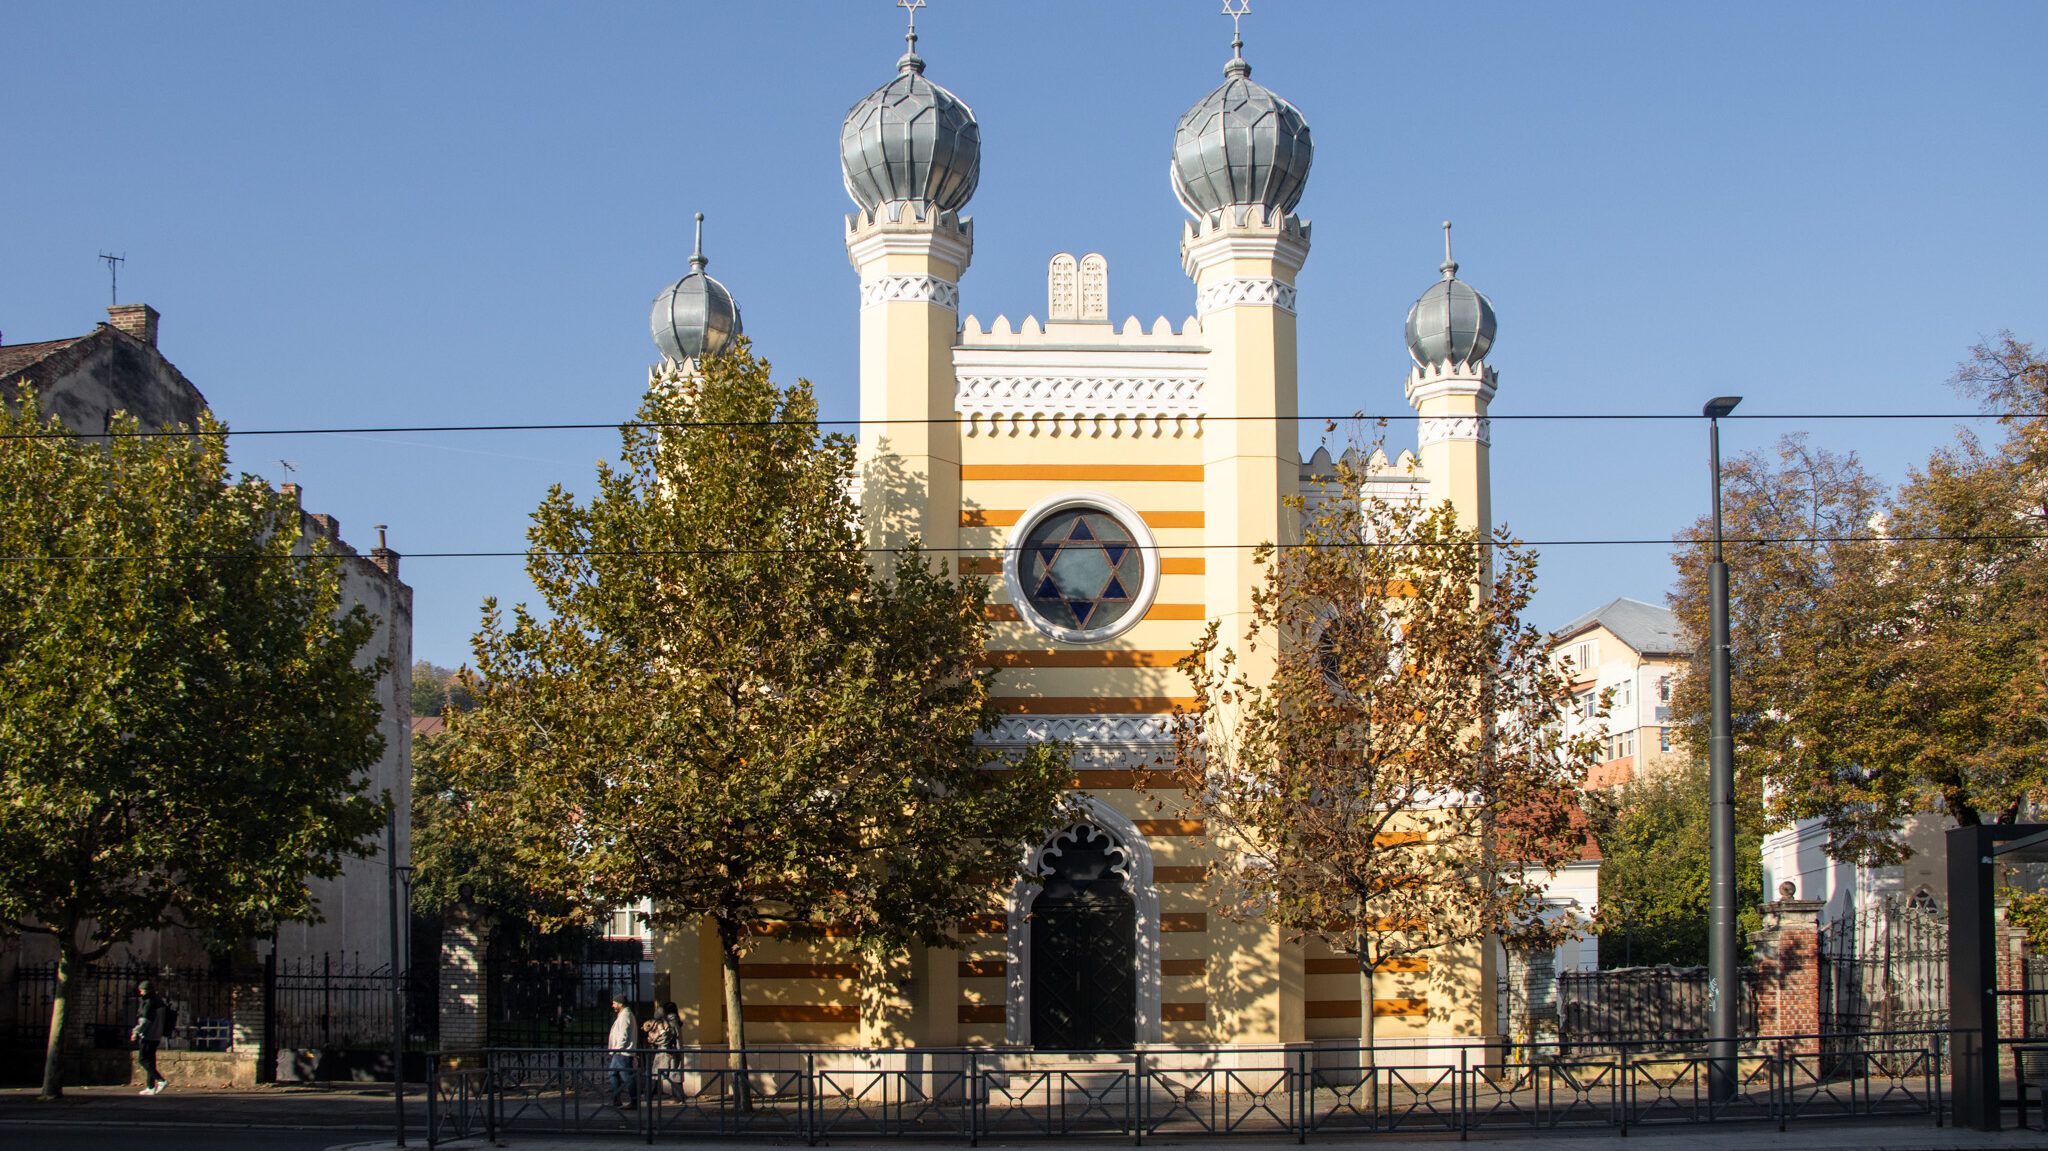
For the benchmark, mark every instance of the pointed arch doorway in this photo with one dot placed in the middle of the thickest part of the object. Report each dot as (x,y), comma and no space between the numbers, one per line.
(1084,944)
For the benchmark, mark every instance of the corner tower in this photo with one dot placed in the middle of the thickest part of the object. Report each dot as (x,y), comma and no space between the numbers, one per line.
(910,152)
(1450,330)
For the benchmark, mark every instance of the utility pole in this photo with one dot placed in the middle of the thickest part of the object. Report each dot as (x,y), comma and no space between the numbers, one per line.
(1723,980)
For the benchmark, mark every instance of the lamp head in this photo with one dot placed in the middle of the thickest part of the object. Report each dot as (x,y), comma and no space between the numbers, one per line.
(1720,406)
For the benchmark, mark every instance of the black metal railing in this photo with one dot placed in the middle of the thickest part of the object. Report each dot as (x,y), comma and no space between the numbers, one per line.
(103,1002)
(1643,1005)
(815,1094)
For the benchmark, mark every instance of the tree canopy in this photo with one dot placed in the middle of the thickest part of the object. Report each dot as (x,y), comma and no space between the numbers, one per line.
(1382,760)
(729,711)
(1888,647)
(188,726)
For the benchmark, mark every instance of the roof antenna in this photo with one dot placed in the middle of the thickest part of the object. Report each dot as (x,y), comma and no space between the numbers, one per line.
(113,276)
(697,260)
(288,466)
(1449,267)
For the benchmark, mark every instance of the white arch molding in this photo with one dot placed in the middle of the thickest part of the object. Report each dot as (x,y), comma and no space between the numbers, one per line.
(1017,1000)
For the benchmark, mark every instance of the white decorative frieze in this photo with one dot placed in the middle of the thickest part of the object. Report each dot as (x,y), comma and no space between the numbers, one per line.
(1437,429)
(919,289)
(1082,730)
(1070,405)
(1253,291)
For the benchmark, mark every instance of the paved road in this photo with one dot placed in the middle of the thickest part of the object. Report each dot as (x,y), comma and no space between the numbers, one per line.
(72,1136)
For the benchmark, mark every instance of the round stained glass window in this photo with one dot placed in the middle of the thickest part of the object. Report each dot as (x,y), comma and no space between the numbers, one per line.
(1082,569)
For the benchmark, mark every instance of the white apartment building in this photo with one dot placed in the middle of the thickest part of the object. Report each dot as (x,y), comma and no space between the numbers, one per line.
(1638,650)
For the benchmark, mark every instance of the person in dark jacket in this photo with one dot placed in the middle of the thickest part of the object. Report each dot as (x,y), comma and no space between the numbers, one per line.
(149,1035)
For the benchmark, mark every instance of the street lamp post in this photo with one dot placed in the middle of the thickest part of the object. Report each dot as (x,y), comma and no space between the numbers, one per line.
(1722,979)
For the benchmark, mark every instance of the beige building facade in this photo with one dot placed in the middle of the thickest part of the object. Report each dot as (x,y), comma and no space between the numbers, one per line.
(1634,652)
(1111,480)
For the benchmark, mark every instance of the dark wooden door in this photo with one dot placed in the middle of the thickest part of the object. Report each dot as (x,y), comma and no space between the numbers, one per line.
(1084,950)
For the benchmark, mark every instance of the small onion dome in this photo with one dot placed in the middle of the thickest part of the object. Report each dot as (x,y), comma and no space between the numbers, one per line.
(910,140)
(1241,144)
(1451,323)
(695,316)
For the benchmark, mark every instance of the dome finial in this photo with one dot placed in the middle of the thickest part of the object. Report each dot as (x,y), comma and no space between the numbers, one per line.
(1238,68)
(911,60)
(1449,267)
(697,260)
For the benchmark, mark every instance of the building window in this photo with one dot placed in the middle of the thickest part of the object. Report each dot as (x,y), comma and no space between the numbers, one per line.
(1628,690)
(1663,689)
(1664,739)
(1081,567)
(1582,657)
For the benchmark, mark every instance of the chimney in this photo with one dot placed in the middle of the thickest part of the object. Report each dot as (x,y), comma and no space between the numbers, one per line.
(138,320)
(383,556)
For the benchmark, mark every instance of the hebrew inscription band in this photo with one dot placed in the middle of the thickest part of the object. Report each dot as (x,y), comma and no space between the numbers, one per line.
(1083,729)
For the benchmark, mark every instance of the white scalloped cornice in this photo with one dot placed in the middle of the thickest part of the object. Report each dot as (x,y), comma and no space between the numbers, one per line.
(894,232)
(1068,405)
(1083,729)
(1243,233)
(1247,291)
(916,289)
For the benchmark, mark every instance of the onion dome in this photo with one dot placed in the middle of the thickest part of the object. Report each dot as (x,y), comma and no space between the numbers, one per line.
(1451,323)
(910,140)
(1241,144)
(695,316)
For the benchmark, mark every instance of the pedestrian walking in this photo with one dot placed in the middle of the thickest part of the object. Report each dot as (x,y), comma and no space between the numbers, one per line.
(625,1084)
(664,1034)
(148,1034)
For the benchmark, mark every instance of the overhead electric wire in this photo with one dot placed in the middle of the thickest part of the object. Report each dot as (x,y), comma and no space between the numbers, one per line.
(615,553)
(1005,417)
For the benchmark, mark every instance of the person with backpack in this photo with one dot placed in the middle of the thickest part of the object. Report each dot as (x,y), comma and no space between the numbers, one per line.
(153,1019)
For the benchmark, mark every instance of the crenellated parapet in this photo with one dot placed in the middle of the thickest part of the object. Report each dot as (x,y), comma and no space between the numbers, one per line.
(1244,232)
(903,231)
(1436,381)
(1133,334)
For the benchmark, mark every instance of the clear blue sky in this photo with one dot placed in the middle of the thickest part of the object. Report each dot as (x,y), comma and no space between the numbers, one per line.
(401,214)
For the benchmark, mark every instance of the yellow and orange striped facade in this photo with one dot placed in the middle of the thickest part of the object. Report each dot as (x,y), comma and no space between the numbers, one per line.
(975,431)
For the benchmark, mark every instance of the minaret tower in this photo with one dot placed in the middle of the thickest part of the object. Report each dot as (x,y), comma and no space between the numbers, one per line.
(1240,163)
(1450,330)
(911,155)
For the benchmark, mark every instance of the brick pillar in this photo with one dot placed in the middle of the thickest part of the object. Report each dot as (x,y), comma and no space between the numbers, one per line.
(250,1023)
(1532,992)
(465,992)
(2011,944)
(1788,967)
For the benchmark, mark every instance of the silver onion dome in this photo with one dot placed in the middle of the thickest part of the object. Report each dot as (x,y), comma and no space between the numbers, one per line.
(695,316)
(1241,144)
(1451,323)
(910,140)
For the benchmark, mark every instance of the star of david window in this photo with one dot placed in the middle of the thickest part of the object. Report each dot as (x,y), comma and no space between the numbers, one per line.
(1082,568)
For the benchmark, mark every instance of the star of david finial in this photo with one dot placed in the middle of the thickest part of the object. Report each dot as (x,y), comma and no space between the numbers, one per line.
(1237,10)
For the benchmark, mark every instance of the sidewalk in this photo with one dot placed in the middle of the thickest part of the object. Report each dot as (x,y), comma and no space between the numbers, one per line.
(1814,1136)
(341,1107)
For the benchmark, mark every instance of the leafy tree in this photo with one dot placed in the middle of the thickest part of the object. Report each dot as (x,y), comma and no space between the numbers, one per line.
(727,712)
(187,724)
(1383,760)
(445,853)
(1889,663)
(1654,877)
(437,689)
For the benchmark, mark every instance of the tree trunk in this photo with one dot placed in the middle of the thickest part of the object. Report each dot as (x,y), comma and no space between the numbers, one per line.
(60,1016)
(1368,1020)
(735,1017)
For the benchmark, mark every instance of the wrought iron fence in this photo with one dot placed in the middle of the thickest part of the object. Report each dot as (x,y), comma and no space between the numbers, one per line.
(104,1002)
(557,993)
(335,1002)
(1643,1005)
(1884,967)
(814,1094)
